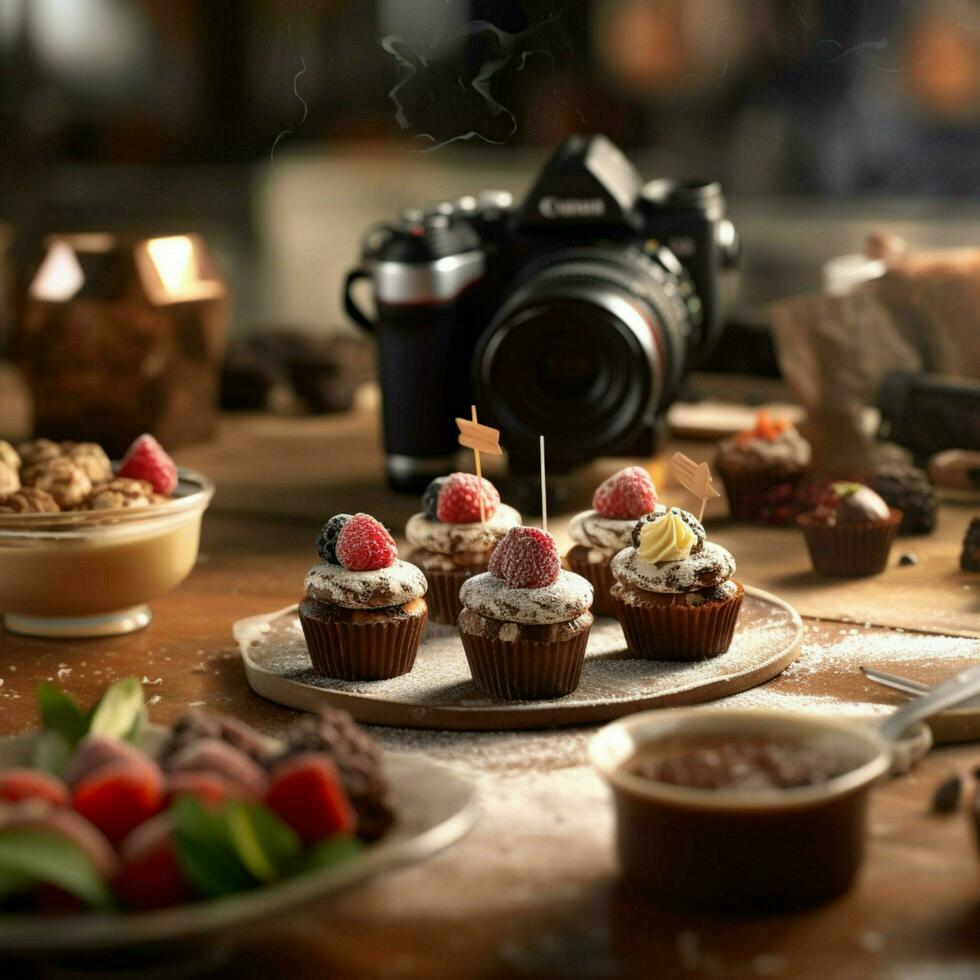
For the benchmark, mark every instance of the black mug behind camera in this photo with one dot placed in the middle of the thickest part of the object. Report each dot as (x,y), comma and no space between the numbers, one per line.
(575,316)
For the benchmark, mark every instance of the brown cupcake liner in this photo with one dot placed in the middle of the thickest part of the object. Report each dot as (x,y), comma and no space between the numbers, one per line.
(443,594)
(850,550)
(678,632)
(363,651)
(746,489)
(602,579)
(525,670)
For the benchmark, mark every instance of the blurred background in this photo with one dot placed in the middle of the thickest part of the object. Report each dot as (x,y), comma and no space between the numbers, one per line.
(279,130)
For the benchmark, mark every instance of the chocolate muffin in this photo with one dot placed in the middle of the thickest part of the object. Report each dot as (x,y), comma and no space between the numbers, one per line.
(674,594)
(850,532)
(753,462)
(364,610)
(450,541)
(525,622)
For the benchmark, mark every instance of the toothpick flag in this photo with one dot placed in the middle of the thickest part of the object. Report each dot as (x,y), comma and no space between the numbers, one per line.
(695,478)
(544,491)
(481,439)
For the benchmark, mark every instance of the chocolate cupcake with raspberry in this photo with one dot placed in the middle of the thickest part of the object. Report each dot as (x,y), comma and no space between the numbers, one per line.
(604,531)
(674,594)
(757,465)
(364,610)
(850,531)
(525,622)
(449,541)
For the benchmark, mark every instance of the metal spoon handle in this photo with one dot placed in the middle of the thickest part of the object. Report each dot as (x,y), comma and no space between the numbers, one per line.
(960,687)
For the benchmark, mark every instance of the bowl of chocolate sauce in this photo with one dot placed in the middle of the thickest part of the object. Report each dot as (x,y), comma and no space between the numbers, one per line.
(740,810)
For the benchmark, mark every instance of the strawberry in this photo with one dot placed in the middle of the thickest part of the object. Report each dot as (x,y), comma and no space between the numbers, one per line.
(32,784)
(150,876)
(146,460)
(626,495)
(118,797)
(459,499)
(364,544)
(307,793)
(527,558)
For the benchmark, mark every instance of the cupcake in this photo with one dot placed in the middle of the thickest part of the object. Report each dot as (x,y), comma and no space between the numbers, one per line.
(525,622)
(674,594)
(449,541)
(605,530)
(754,463)
(850,531)
(364,611)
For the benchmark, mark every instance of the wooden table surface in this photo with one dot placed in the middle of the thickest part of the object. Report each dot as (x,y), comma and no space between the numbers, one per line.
(532,891)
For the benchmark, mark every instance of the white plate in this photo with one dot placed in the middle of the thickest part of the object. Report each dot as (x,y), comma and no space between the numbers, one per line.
(434,809)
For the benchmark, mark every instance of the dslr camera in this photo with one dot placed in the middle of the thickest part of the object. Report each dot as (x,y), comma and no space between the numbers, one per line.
(575,315)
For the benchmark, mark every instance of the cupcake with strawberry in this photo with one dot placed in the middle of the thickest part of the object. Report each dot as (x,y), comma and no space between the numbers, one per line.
(364,609)
(602,532)
(759,464)
(452,540)
(525,621)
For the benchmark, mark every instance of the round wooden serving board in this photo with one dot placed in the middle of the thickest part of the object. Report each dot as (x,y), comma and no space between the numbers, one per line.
(439,693)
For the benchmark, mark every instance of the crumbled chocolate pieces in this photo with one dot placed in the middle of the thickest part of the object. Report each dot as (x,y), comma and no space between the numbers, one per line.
(970,557)
(908,489)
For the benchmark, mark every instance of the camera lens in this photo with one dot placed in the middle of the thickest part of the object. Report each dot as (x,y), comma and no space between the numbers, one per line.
(584,350)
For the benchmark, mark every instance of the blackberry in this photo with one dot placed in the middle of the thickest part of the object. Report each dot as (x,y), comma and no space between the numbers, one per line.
(970,559)
(430,499)
(196,726)
(326,540)
(907,488)
(358,760)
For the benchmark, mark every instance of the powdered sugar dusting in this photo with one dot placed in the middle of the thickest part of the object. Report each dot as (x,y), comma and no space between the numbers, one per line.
(441,676)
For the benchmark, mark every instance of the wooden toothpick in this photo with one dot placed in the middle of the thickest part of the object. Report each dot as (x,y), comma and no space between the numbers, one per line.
(544,491)
(481,439)
(695,478)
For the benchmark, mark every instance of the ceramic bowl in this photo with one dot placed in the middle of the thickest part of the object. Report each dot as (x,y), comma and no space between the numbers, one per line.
(738,850)
(92,573)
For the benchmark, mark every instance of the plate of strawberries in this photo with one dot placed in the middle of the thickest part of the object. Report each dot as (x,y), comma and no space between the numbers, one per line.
(118,836)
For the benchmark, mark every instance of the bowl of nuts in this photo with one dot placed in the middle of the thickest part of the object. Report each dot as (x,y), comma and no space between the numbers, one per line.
(85,543)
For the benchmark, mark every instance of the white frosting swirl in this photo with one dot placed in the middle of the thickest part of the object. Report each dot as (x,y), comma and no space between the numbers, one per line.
(392,586)
(603,534)
(568,596)
(688,575)
(449,539)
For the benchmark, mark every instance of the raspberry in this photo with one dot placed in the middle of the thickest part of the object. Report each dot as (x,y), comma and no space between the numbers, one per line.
(459,499)
(32,784)
(146,460)
(364,544)
(628,494)
(326,540)
(307,793)
(430,499)
(527,558)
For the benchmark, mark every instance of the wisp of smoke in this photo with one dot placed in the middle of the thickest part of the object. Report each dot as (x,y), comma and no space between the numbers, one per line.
(302,101)
(430,73)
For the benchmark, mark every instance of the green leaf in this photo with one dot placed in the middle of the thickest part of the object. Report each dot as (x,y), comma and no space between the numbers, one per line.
(205,850)
(120,710)
(266,846)
(330,853)
(51,752)
(39,857)
(60,713)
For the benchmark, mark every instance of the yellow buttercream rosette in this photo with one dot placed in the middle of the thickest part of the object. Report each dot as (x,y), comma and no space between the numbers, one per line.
(666,539)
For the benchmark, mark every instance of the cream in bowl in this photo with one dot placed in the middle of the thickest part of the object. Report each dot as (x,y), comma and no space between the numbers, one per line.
(84,556)
(740,809)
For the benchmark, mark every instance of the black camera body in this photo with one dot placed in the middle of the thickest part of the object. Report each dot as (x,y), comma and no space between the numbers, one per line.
(575,315)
